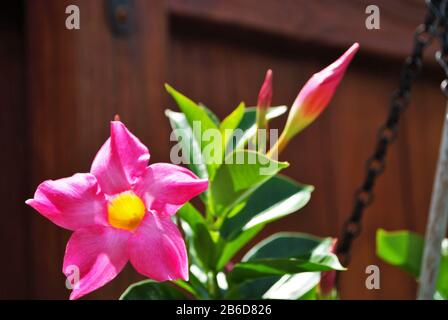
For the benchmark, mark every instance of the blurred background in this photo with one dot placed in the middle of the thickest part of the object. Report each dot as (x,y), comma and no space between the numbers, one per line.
(59,89)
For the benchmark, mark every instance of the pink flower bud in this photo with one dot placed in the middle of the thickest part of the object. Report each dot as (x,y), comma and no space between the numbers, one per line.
(264,101)
(328,278)
(265,95)
(317,93)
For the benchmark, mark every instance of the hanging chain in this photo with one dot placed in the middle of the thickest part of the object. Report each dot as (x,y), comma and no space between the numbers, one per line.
(442,54)
(387,133)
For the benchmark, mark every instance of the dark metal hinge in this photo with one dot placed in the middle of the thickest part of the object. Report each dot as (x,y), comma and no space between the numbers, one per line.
(120,15)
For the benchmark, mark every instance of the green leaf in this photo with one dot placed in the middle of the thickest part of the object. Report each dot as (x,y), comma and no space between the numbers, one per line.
(211,114)
(282,245)
(252,289)
(278,197)
(289,245)
(230,123)
(231,247)
(293,287)
(241,174)
(197,115)
(442,280)
(278,267)
(202,246)
(301,286)
(404,249)
(151,290)
(191,110)
(286,253)
(198,283)
(191,222)
(205,247)
(191,151)
(310,295)
(187,287)
(248,125)
(401,248)
(189,214)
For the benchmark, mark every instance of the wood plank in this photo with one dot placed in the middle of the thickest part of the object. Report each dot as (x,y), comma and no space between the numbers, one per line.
(326,22)
(77,81)
(14,273)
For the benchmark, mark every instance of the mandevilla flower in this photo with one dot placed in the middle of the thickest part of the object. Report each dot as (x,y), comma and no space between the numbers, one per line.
(314,97)
(120,211)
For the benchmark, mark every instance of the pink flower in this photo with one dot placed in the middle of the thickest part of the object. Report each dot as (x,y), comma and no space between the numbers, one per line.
(120,211)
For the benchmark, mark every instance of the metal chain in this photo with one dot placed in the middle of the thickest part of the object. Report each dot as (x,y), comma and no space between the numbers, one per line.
(442,54)
(387,133)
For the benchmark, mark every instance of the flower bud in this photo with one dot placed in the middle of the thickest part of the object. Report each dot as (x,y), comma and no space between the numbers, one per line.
(328,279)
(264,100)
(315,96)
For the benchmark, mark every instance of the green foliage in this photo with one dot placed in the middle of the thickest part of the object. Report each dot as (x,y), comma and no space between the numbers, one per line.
(283,266)
(278,197)
(237,179)
(246,192)
(404,249)
(190,148)
(151,290)
(198,117)
(285,253)
(401,248)
(248,126)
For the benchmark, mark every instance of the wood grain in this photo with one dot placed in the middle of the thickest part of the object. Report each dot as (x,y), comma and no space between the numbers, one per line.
(60,88)
(14,270)
(78,80)
(324,22)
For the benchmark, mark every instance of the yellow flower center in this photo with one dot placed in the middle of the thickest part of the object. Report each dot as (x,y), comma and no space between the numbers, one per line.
(125,211)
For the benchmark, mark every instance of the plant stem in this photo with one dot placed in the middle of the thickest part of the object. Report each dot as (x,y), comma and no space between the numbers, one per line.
(213,286)
(278,146)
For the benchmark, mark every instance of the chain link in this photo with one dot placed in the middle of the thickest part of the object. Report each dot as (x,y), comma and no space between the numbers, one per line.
(433,25)
(442,54)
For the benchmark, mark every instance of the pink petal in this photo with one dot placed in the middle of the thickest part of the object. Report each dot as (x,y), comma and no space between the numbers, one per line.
(71,203)
(157,249)
(166,187)
(99,253)
(120,161)
(318,91)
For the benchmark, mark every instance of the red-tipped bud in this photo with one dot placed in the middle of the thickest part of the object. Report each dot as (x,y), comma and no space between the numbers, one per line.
(314,98)
(263,104)
(328,278)
(265,94)
(317,93)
